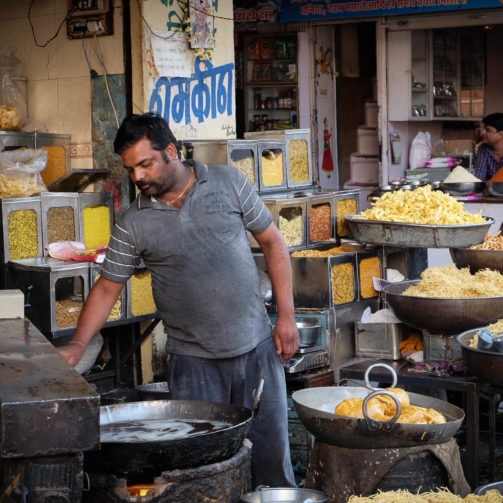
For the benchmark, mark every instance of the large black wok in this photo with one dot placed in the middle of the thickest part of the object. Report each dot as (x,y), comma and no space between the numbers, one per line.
(316,409)
(140,461)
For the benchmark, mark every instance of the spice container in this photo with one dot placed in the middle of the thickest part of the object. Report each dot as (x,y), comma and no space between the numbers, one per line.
(118,312)
(140,298)
(58,159)
(16,139)
(242,154)
(290,218)
(96,218)
(346,203)
(370,265)
(54,290)
(60,217)
(324,282)
(272,165)
(21,229)
(320,220)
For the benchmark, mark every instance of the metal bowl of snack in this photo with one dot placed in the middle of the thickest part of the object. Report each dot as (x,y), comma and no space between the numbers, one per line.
(477,260)
(495,188)
(408,186)
(417,235)
(397,183)
(462,188)
(388,188)
(442,315)
(414,183)
(424,182)
(435,185)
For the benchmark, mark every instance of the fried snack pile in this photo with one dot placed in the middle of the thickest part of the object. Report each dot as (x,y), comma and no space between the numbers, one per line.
(383,408)
(441,495)
(491,242)
(10,118)
(420,206)
(448,282)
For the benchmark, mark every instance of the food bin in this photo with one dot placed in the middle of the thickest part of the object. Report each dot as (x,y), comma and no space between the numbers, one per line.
(379,340)
(290,216)
(325,282)
(96,218)
(370,265)
(299,163)
(209,152)
(58,159)
(441,347)
(347,202)
(16,139)
(243,155)
(21,229)
(60,217)
(272,165)
(320,220)
(54,291)
(118,312)
(140,298)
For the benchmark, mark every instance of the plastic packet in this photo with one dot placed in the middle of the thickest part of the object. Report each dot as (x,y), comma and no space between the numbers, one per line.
(76,251)
(20,172)
(420,150)
(10,71)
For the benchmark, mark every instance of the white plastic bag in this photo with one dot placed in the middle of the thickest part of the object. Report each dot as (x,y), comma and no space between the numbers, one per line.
(420,151)
(20,172)
(10,71)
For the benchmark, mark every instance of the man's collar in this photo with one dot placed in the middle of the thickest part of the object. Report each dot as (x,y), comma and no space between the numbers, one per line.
(201,171)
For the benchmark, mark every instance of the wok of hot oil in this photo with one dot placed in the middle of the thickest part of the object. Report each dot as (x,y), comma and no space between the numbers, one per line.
(154,430)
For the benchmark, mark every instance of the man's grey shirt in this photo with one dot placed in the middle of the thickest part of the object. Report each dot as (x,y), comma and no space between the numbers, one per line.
(205,282)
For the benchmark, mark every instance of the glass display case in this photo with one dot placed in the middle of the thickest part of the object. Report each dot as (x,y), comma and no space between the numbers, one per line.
(472,64)
(271,82)
(420,73)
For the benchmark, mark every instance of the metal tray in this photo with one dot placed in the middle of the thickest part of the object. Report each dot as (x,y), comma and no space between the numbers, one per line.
(417,235)
(477,260)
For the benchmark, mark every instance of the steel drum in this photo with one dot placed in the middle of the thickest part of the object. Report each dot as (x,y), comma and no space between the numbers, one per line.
(442,316)
(315,408)
(477,260)
(417,235)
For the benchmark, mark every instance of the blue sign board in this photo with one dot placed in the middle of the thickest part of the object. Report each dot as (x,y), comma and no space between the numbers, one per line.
(311,10)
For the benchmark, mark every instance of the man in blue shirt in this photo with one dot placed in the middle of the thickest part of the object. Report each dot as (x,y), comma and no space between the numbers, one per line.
(490,154)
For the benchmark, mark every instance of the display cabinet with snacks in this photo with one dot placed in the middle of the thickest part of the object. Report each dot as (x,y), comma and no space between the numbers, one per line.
(60,217)
(12,140)
(243,155)
(21,229)
(118,313)
(370,266)
(336,281)
(272,165)
(320,220)
(58,156)
(54,290)
(96,218)
(271,82)
(140,298)
(346,203)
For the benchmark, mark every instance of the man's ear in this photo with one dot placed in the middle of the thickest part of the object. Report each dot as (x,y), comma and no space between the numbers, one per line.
(172,151)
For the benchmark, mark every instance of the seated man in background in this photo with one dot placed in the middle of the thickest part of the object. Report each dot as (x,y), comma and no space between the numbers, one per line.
(489,156)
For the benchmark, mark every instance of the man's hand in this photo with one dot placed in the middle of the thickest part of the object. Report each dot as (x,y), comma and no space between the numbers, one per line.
(286,337)
(72,352)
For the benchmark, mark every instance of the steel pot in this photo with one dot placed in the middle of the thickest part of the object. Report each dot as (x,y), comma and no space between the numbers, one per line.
(286,495)
(316,409)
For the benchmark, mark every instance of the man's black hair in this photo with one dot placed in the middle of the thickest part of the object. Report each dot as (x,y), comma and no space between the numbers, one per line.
(495,120)
(151,126)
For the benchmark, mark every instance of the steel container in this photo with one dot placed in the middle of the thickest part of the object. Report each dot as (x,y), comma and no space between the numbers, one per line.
(442,316)
(52,200)
(486,365)
(94,271)
(440,348)
(45,283)
(269,150)
(16,139)
(209,152)
(477,260)
(462,188)
(239,150)
(379,340)
(284,495)
(52,143)
(131,295)
(417,235)
(314,201)
(93,200)
(495,188)
(8,207)
(342,198)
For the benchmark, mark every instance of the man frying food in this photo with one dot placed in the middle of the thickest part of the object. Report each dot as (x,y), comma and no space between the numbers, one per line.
(189,225)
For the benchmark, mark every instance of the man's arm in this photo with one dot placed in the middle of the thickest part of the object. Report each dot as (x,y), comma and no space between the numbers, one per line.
(95,312)
(286,335)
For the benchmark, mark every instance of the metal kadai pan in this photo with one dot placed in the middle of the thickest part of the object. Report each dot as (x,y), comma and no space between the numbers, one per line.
(315,408)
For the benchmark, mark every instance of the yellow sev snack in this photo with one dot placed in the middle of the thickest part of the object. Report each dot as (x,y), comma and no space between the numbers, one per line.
(451,283)
(420,206)
(491,242)
(441,495)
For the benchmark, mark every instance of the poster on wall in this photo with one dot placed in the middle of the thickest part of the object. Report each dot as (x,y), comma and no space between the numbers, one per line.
(202,24)
(311,10)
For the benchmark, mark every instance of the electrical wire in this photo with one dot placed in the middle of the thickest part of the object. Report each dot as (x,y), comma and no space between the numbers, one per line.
(33,28)
(98,53)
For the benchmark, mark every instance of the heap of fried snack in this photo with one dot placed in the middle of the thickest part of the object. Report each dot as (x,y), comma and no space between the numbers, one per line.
(441,495)
(448,282)
(495,328)
(383,408)
(491,242)
(420,206)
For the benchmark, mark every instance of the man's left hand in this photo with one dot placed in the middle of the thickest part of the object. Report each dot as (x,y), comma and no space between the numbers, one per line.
(286,337)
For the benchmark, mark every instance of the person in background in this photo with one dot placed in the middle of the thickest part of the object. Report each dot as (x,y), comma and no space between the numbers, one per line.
(490,154)
(188,225)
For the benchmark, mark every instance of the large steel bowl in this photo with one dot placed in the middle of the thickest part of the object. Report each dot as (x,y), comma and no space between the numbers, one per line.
(495,188)
(486,365)
(308,333)
(442,316)
(477,260)
(462,188)
(417,235)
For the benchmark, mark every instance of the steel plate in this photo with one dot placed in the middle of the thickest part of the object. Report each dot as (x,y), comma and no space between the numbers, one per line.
(416,235)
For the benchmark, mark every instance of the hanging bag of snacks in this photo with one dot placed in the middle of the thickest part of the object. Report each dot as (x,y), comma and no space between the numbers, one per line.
(20,172)
(11,69)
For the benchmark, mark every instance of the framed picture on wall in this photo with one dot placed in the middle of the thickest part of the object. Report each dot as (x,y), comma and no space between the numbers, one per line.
(201,23)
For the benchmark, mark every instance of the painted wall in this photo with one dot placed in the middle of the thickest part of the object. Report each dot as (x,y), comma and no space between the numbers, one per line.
(202,105)
(59,89)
